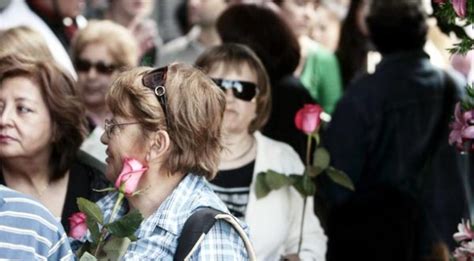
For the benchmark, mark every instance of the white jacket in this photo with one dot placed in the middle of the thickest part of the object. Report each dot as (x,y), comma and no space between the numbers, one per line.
(274,221)
(18,13)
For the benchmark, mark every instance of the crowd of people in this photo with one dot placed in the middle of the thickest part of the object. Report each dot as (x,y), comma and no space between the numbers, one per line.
(87,84)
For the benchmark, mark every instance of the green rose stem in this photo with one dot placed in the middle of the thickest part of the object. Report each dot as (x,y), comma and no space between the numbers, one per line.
(308,157)
(111,218)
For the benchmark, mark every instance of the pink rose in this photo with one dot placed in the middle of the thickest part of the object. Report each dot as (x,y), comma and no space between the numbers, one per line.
(307,119)
(128,179)
(460,7)
(78,225)
(439,1)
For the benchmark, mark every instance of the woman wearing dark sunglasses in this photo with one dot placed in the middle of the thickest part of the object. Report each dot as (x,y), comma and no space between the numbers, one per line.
(169,119)
(273,220)
(99,51)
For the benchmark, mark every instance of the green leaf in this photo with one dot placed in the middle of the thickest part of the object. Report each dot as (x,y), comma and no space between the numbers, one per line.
(276,180)
(125,226)
(321,158)
(297,183)
(303,184)
(91,210)
(116,247)
(261,187)
(93,227)
(316,138)
(470,90)
(340,178)
(105,190)
(308,186)
(87,257)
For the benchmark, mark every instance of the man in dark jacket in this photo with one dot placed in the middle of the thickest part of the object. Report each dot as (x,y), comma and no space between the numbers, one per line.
(391,127)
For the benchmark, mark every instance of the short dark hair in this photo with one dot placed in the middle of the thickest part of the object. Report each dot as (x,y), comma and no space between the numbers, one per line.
(397,25)
(63,102)
(234,56)
(266,33)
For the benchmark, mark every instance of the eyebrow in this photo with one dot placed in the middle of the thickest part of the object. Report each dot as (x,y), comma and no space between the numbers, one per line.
(24,99)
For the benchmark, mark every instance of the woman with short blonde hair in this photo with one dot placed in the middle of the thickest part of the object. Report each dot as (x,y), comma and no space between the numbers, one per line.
(169,120)
(100,51)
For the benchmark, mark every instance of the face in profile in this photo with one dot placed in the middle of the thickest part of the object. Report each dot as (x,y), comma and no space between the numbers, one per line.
(124,139)
(95,68)
(240,86)
(25,121)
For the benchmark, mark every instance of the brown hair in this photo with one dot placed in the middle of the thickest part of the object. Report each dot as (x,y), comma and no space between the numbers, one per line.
(232,56)
(118,40)
(62,100)
(24,41)
(266,33)
(195,111)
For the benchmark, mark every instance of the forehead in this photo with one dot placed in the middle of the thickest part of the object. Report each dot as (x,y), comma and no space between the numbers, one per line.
(20,87)
(234,71)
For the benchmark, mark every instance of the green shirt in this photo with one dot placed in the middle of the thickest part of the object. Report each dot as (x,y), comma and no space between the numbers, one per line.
(322,78)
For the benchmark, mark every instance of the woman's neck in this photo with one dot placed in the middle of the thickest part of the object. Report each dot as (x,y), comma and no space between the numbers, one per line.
(209,37)
(156,188)
(239,149)
(30,175)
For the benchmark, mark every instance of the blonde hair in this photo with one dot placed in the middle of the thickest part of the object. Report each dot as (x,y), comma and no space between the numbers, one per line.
(23,41)
(118,40)
(195,111)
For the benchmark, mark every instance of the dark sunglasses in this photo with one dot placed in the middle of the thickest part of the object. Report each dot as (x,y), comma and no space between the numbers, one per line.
(101,67)
(242,90)
(155,80)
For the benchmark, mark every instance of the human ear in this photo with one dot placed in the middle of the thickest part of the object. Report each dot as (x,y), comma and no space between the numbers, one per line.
(159,145)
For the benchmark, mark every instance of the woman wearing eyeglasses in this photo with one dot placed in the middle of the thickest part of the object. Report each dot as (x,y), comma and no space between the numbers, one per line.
(99,51)
(169,119)
(275,219)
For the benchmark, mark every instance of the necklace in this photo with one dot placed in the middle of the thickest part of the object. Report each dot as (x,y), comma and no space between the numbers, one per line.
(243,153)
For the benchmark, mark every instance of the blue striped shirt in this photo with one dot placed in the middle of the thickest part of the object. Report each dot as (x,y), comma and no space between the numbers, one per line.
(28,231)
(158,234)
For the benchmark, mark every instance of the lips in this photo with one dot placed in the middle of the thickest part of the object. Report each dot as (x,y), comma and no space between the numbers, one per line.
(5,138)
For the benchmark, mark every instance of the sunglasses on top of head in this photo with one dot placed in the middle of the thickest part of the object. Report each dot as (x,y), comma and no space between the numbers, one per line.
(155,80)
(101,67)
(242,90)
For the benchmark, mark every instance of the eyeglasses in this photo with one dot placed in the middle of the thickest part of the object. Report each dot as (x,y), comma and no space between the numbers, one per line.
(242,90)
(111,124)
(101,67)
(155,80)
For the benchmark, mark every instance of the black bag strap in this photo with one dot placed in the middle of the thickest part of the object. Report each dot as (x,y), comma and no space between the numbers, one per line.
(199,224)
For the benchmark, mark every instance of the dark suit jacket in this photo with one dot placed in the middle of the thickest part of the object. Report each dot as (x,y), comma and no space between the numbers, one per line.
(391,128)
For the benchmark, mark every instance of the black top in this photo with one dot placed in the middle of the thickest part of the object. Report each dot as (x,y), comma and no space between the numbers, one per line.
(391,128)
(288,96)
(233,187)
(84,176)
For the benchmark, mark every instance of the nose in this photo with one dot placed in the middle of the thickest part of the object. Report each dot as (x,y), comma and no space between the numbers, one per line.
(6,117)
(104,138)
(229,96)
(92,73)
